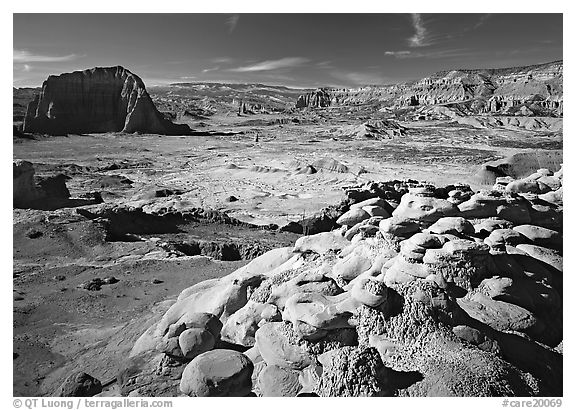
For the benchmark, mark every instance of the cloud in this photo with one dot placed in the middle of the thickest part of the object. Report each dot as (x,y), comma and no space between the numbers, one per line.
(419,38)
(22,56)
(481,21)
(188,77)
(207,70)
(27,67)
(272,65)
(232,22)
(397,54)
(222,60)
(455,52)
(324,64)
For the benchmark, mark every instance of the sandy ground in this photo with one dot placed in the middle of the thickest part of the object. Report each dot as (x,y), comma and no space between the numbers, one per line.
(263,175)
(59,326)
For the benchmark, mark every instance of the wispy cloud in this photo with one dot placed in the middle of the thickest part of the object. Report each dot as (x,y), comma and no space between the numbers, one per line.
(207,70)
(222,60)
(419,38)
(481,21)
(232,22)
(324,64)
(27,67)
(23,56)
(450,53)
(398,54)
(268,65)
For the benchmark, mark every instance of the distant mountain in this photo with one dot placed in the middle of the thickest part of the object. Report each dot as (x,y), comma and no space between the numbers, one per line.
(202,99)
(534,90)
(528,90)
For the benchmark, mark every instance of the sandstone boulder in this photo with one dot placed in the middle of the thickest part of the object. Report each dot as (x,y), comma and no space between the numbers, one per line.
(546,255)
(376,201)
(374,210)
(521,186)
(195,341)
(319,311)
(79,384)
(311,282)
(277,348)
(455,225)
(218,373)
(424,208)
(501,237)
(541,236)
(275,381)
(241,327)
(486,226)
(353,216)
(351,266)
(399,226)
(500,315)
(321,243)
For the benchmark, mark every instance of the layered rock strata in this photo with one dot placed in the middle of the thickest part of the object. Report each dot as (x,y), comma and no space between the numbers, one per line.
(110,99)
(529,90)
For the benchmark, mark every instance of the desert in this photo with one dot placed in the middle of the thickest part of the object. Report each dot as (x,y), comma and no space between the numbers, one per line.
(213,239)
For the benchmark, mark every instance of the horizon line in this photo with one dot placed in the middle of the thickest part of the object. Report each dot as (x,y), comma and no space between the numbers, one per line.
(307,87)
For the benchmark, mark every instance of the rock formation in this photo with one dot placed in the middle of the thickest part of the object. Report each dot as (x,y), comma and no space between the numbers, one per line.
(419,289)
(373,129)
(110,99)
(530,90)
(79,384)
(521,165)
(44,192)
(318,98)
(24,189)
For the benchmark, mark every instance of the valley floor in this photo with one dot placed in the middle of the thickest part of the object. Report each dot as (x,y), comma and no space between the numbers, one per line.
(59,326)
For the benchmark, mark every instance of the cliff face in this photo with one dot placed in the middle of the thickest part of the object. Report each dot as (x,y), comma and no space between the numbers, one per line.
(317,98)
(538,88)
(108,99)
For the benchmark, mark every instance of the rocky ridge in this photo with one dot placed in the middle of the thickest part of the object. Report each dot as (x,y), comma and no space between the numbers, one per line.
(536,89)
(419,289)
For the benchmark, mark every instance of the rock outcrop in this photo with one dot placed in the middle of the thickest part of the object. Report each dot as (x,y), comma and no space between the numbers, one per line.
(373,129)
(44,192)
(24,189)
(522,165)
(435,289)
(317,99)
(110,99)
(79,384)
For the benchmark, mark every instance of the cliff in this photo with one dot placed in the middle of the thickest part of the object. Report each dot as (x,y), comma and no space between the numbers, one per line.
(538,88)
(110,99)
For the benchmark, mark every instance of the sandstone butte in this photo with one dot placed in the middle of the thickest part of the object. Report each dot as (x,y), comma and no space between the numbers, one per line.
(101,99)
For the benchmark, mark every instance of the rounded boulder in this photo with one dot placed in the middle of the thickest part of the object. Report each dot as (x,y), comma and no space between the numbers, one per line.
(195,341)
(353,216)
(218,373)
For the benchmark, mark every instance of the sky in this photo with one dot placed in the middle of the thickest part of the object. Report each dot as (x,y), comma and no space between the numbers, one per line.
(296,50)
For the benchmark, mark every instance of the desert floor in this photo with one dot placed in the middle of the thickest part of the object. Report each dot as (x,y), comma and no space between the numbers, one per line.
(58,326)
